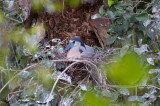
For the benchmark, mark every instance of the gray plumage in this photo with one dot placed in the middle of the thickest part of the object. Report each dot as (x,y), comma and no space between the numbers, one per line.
(77,49)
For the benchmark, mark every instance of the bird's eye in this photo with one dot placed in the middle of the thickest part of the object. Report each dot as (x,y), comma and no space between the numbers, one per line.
(73,41)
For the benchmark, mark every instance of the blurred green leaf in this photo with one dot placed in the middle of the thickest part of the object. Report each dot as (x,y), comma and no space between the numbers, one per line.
(124,91)
(135,98)
(28,92)
(101,10)
(95,99)
(119,21)
(119,12)
(95,16)
(110,40)
(38,4)
(48,63)
(124,50)
(45,76)
(74,3)
(23,61)
(4,93)
(110,2)
(151,32)
(3,70)
(127,16)
(130,9)
(110,14)
(142,49)
(158,79)
(2,17)
(50,7)
(25,74)
(142,17)
(128,70)
(113,95)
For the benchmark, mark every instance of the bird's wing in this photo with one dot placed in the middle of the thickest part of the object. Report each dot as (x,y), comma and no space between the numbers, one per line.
(81,49)
(87,51)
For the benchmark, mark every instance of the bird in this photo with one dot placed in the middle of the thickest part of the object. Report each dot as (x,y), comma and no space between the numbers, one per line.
(77,49)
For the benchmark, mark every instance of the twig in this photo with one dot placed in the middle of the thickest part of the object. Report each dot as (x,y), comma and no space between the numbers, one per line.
(67,86)
(78,87)
(50,96)
(79,61)
(66,60)
(9,98)
(14,20)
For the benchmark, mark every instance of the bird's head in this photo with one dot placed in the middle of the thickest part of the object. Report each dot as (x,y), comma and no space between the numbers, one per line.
(74,42)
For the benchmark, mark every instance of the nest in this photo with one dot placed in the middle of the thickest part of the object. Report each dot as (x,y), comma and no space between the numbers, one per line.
(79,69)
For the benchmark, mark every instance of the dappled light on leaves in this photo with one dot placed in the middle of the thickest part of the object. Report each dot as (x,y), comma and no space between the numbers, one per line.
(127,70)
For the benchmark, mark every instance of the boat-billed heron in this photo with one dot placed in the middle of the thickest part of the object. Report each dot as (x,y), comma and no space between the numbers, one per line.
(78,49)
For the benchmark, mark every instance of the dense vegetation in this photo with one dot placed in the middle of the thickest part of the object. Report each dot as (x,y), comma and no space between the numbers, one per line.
(33,74)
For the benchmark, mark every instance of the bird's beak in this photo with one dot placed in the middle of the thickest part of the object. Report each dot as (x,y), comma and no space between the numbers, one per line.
(69,46)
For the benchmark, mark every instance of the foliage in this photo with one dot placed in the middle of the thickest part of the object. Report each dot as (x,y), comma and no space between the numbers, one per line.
(134,18)
(122,69)
(110,2)
(133,76)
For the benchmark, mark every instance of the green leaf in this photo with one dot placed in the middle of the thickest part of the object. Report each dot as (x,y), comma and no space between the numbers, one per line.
(133,18)
(95,16)
(101,10)
(23,61)
(38,4)
(139,33)
(48,63)
(2,17)
(124,91)
(110,40)
(126,25)
(74,3)
(94,99)
(119,21)
(158,79)
(110,2)
(133,98)
(28,92)
(110,14)
(124,50)
(120,12)
(25,74)
(127,16)
(142,17)
(3,70)
(151,32)
(130,9)
(128,70)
